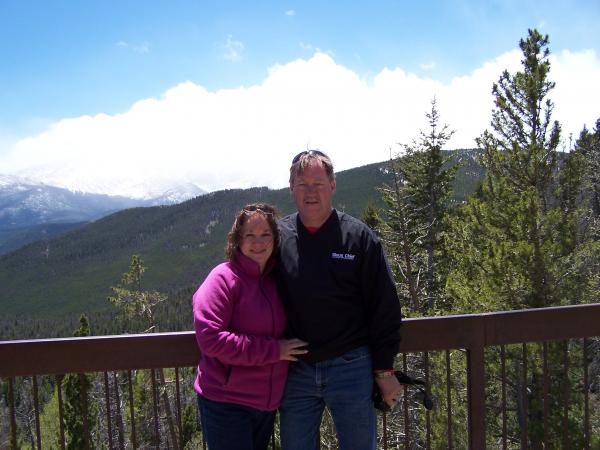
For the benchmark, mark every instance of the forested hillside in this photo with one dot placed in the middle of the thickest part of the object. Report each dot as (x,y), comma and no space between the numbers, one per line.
(47,284)
(13,239)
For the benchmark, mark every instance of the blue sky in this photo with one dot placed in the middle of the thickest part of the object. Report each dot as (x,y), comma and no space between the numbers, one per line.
(70,59)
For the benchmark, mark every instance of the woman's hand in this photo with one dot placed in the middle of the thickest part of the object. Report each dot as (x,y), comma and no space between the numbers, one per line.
(290,348)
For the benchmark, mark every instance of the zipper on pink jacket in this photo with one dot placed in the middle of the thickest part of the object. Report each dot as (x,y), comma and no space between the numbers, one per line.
(262,291)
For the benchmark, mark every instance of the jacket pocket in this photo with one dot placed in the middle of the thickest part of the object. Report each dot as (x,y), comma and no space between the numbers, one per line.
(228,371)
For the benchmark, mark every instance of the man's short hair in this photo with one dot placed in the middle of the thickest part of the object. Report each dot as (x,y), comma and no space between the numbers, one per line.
(303,159)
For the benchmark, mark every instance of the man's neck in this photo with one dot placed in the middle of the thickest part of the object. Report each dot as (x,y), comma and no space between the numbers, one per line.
(314,224)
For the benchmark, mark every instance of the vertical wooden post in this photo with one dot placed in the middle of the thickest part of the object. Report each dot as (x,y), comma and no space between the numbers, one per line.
(476,388)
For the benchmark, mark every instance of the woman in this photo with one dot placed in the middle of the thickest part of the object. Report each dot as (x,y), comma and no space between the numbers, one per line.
(239,322)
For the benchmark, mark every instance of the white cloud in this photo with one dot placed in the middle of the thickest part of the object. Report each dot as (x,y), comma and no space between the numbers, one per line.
(305,46)
(290,13)
(233,49)
(137,48)
(142,48)
(246,136)
(428,66)
(576,96)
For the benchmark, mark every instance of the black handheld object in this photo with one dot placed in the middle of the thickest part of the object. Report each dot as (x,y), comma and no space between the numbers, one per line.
(403,378)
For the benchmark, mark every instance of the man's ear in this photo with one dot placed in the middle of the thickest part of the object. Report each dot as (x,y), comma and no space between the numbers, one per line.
(333,185)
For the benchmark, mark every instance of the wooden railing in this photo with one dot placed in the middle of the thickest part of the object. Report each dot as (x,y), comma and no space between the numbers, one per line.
(471,333)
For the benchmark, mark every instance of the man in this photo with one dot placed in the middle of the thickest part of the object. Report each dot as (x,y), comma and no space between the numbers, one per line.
(340,298)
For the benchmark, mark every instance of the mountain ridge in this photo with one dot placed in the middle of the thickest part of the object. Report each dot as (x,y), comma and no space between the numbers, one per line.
(31,211)
(179,243)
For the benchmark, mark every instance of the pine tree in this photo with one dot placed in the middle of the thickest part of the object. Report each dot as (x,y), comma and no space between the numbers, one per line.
(135,303)
(588,145)
(417,203)
(371,216)
(521,152)
(580,196)
(429,184)
(49,424)
(80,412)
(132,301)
(520,242)
(506,238)
(399,232)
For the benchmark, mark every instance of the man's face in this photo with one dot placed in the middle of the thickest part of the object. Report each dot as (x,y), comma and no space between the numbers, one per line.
(312,191)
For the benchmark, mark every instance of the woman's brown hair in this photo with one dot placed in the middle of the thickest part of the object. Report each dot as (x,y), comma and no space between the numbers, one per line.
(234,238)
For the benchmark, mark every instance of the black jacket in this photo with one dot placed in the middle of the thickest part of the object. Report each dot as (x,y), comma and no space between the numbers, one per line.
(338,290)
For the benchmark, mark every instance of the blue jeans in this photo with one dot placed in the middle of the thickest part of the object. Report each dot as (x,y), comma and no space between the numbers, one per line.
(227,426)
(343,384)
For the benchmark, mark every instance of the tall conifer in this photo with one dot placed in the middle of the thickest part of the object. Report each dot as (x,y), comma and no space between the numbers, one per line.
(135,303)
(417,203)
(519,242)
(80,411)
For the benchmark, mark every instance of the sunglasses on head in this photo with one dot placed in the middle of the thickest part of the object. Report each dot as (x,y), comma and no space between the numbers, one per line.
(308,152)
(254,209)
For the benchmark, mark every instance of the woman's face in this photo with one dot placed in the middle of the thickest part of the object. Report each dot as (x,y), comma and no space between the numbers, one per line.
(257,240)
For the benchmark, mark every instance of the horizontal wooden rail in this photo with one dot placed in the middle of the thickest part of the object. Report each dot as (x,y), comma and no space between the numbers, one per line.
(97,354)
(544,324)
(473,333)
(148,351)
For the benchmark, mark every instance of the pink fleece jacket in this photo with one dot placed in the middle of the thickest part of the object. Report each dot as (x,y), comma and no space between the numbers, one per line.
(239,319)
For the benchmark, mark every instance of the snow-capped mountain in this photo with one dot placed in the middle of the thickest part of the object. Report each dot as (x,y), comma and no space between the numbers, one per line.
(25,203)
(30,210)
(23,199)
(164,193)
(156,187)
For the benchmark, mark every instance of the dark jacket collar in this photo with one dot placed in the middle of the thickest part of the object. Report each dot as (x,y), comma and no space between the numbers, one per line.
(332,219)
